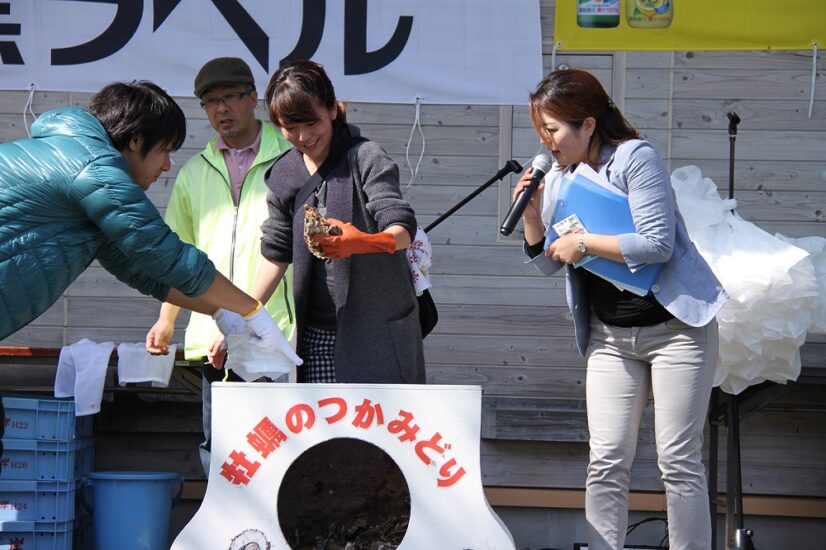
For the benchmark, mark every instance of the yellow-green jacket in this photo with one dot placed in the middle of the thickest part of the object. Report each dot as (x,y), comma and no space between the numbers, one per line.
(201,211)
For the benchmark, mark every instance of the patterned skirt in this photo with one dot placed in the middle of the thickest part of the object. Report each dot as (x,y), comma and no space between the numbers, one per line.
(318,351)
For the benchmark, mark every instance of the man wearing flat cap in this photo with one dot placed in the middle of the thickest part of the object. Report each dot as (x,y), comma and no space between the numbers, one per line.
(218,204)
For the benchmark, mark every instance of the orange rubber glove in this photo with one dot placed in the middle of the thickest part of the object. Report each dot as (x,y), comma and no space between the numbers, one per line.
(353,241)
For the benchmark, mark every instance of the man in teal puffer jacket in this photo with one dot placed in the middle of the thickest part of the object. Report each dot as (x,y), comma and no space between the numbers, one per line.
(75,192)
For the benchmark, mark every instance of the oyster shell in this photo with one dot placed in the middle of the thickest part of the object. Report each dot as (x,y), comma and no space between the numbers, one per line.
(316,224)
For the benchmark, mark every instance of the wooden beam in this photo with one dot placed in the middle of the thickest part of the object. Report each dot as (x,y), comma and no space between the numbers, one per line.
(25,351)
(638,501)
(753,505)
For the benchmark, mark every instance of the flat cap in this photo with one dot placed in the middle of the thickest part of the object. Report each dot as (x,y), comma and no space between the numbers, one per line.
(224,71)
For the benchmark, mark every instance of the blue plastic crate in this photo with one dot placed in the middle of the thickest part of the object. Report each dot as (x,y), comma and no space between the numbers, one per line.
(24,500)
(34,459)
(36,535)
(44,418)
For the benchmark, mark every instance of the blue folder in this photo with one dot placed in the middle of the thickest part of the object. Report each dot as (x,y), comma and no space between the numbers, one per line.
(603,212)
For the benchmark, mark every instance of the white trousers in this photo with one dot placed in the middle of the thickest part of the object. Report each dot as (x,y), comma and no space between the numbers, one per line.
(675,363)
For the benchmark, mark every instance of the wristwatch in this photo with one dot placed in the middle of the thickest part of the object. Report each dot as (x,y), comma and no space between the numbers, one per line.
(581,243)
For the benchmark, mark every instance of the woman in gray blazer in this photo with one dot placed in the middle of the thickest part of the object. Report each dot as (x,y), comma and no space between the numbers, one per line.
(356,313)
(663,343)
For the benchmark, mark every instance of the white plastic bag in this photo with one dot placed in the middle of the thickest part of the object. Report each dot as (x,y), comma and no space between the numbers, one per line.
(775,297)
(252,362)
(816,247)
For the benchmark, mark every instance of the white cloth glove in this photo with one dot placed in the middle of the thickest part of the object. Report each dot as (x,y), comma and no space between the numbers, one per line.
(266,334)
(229,322)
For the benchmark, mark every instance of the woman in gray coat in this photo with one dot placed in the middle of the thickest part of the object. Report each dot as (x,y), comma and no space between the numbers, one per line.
(356,313)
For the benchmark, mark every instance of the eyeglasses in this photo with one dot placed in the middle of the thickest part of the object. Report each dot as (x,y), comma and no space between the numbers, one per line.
(229,100)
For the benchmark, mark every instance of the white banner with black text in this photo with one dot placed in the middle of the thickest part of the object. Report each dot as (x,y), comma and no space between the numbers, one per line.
(389,51)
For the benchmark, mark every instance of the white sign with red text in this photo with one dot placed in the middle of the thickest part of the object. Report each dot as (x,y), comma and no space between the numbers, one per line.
(432,433)
(390,51)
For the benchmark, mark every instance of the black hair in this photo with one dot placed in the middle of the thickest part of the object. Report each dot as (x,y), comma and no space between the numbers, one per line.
(139,108)
(294,87)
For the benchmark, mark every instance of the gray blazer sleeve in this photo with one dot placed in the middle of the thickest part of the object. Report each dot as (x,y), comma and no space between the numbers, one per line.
(653,205)
(378,177)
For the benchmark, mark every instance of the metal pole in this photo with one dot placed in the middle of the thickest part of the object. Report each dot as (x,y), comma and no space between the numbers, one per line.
(713,462)
(737,538)
(510,166)
(732,464)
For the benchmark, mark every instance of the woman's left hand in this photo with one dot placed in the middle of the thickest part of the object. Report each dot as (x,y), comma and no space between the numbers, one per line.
(565,249)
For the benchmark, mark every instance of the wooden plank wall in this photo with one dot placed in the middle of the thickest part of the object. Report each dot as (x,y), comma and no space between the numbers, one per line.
(502,326)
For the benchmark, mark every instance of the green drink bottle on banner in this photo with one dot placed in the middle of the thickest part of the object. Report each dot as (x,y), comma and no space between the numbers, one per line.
(598,13)
(650,14)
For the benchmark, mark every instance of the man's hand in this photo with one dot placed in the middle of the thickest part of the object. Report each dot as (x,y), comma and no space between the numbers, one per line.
(217,353)
(159,337)
(229,322)
(353,241)
(266,334)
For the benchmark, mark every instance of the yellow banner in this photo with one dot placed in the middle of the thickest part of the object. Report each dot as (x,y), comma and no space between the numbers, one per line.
(689,24)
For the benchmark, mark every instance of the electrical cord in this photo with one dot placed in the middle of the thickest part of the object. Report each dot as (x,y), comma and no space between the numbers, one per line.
(663,544)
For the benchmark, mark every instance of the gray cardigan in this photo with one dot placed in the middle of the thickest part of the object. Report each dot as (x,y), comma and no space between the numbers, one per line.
(686,286)
(378,336)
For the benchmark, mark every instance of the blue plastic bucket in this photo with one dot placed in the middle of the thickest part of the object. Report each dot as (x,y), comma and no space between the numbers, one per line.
(131,509)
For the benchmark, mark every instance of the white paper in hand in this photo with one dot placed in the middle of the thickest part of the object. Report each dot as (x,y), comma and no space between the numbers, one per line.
(566,225)
(572,224)
(251,362)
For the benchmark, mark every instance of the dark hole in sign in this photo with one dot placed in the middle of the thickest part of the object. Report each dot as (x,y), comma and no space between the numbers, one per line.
(343,491)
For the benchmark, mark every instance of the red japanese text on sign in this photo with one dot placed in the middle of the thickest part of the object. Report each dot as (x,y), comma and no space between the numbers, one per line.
(299,417)
(338,402)
(403,427)
(366,413)
(266,437)
(240,470)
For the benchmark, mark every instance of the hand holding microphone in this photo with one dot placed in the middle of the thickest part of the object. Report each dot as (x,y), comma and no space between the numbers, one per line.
(540,165)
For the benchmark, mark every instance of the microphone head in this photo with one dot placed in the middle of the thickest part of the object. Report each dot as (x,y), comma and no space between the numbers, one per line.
(542,163)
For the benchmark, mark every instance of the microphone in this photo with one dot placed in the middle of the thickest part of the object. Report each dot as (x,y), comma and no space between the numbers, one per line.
(510,166)
(541,165)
